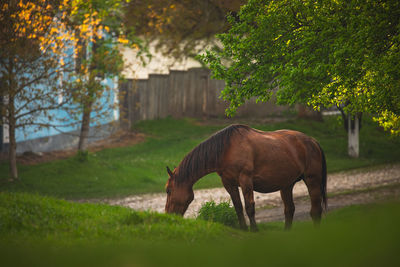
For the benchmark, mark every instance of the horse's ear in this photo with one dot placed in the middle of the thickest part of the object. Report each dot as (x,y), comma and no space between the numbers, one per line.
(169,172)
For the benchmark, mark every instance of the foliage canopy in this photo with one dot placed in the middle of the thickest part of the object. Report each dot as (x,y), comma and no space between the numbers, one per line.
(180,27)
(321,53)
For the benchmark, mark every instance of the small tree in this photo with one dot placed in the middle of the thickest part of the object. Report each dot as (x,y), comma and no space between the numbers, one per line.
(324,53)
(32,47)
(100,32)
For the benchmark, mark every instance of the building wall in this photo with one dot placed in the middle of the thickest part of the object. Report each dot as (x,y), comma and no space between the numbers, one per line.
(136,68)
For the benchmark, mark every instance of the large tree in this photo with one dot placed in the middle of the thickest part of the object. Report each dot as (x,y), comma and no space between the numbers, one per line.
(321,53)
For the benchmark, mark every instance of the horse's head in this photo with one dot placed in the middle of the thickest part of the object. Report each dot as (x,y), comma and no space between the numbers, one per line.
(179,195)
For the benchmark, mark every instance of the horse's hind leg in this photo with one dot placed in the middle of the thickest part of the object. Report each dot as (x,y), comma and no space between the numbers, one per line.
(287,198)
(237,203)
(314,190)
(247,189)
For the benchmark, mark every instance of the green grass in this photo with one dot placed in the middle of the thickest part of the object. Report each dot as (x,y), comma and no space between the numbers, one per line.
(140,168)
(43,231)
(30,218)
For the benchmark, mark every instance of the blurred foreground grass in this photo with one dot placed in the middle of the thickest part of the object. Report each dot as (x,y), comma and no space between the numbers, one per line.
(137,169)
(42,231)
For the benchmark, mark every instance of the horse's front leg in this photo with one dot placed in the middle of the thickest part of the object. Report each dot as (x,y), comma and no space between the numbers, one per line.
(246,183)
(237,203)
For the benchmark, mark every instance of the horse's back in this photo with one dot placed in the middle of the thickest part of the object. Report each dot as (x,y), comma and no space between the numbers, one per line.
(289,145)
(274,159)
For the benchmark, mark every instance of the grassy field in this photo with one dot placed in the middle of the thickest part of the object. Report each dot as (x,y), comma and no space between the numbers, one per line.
(43,231)
(39,230)
(140,168)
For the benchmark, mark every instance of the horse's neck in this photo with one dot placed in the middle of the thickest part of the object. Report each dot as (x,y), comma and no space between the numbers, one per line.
(202,174)
(194,178)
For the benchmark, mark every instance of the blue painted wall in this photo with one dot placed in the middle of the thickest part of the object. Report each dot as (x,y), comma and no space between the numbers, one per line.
(32,132)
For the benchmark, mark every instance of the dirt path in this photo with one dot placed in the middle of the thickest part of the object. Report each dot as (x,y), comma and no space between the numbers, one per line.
(339,200)
(345,188)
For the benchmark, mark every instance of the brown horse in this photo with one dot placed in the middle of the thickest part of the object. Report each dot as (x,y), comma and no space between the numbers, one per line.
(256,161)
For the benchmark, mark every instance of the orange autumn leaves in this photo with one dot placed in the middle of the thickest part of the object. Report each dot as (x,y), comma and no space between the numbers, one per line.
(52,27)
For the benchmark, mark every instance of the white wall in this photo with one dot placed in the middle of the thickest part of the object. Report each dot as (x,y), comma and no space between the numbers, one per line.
(159,64)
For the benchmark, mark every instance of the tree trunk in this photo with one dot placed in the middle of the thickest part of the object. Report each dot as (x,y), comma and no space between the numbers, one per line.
(353,136)
(85,126)
(352,125)
(12,151)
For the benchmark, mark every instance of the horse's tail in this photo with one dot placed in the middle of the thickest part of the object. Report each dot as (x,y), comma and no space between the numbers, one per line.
(324,179)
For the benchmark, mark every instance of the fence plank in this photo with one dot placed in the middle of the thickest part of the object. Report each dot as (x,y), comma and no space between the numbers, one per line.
(176,93)
(124,102)
(144,99)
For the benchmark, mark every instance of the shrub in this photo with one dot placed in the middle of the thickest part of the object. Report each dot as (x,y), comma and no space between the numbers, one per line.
(221,213)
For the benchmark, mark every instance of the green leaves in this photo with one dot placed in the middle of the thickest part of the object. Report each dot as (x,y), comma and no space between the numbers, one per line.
(321,53)
(221,213)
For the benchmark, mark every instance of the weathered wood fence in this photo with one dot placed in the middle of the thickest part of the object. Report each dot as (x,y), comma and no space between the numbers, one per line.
(179,94)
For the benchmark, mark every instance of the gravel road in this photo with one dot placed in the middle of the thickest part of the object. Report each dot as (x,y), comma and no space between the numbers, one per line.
(345,188)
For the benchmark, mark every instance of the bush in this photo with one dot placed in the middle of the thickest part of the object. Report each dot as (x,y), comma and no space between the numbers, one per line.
(221,213)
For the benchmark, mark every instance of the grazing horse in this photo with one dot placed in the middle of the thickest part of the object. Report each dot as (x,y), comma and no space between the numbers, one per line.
(256,161)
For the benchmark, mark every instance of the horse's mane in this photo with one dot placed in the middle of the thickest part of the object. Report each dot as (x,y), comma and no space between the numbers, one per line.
(207,155)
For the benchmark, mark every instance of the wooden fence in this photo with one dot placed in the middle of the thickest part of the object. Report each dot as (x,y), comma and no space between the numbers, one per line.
(179,94)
